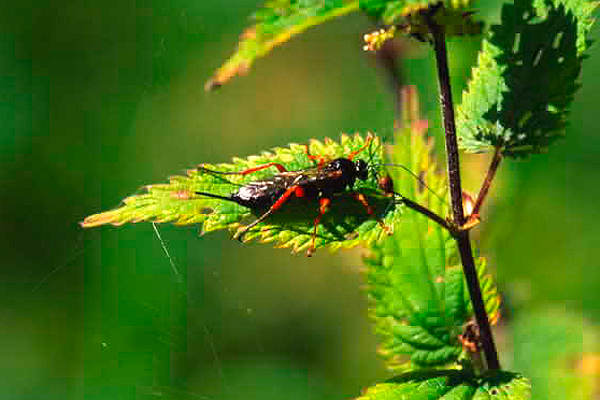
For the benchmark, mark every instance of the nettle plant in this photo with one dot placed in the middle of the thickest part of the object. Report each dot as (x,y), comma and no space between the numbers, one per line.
(432,301)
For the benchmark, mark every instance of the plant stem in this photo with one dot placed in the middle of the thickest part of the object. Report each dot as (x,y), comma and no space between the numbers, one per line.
(487,340)
(462,238)
(489,178)
(449,127)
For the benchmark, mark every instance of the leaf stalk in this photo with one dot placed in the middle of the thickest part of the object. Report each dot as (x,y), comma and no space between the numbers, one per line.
(487,183)
(428,213)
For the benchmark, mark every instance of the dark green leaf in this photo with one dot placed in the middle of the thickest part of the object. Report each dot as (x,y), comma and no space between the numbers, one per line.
(525,79)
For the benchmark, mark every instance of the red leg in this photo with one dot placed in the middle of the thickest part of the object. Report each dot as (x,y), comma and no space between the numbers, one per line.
(324,204)
(367,143)
(279,167)
(294,190)
(320,160)
(363,200)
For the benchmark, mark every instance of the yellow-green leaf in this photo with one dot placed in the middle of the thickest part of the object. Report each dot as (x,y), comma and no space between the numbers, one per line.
(347,224)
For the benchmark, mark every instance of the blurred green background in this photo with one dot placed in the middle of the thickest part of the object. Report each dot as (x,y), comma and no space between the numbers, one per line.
(98,98)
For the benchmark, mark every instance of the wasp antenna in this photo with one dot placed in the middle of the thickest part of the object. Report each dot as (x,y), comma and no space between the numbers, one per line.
(371,165)
(417,178)
(216,196)
(219,175)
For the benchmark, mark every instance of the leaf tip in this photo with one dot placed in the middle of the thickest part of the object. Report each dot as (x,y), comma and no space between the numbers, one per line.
(225,74)
(212,84)
(234,66)
(95,220)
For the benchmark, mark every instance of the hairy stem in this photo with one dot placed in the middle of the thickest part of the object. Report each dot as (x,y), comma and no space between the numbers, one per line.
(487,183)
(462,238)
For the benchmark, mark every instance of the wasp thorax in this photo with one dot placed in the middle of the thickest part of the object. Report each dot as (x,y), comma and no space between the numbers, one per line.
(350,170)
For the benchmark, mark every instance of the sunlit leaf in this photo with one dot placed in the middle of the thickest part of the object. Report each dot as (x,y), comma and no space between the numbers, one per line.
(346,225)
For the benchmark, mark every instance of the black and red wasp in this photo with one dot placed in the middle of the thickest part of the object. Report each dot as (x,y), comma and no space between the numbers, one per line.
(321,183)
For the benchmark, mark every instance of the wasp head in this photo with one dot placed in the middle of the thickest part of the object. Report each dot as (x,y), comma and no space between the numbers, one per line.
(361,169)
(387,185)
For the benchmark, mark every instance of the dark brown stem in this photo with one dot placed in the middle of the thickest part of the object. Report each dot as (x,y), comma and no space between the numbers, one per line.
(487,339)
(449,125)
(462,238)
(487,183)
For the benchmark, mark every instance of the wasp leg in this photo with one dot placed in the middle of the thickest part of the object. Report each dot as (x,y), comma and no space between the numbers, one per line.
(363,200)
(294,190)
(367,144)
(320,160)
(324,204)
(279,167)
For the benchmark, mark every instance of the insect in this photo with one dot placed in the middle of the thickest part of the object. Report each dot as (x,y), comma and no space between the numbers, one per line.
(323,182)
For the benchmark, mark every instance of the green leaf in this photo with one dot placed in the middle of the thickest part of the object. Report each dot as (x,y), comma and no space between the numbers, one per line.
(417,313)
(347,224)
(407,276)
(419,298)
(525,78)
(276,23)
(451,385)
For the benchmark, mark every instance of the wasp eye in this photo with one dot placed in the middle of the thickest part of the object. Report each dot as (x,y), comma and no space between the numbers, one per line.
(362,171)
